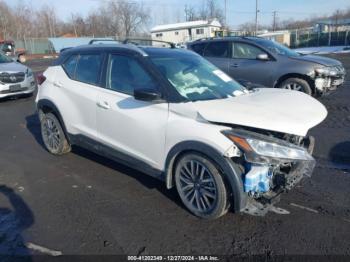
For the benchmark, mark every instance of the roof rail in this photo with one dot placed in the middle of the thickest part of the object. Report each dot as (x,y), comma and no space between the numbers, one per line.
(65,49)
(102,40)
(227,36)
(131,41)
(206,38)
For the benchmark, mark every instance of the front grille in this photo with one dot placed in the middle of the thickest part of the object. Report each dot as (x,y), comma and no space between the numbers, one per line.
(11,78)
(9,91)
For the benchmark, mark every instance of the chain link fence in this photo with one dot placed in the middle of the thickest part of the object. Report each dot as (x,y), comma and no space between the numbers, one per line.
(35,46)
(311,39)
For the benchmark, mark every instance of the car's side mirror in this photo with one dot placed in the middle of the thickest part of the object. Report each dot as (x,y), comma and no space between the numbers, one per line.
(149,95)
(262,57)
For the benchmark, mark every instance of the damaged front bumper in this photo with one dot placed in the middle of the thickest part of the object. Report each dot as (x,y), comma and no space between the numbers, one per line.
(329,79)
(260,205)
(265,177)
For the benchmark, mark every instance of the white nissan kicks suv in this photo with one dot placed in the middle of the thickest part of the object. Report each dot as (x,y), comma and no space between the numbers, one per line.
(173,115)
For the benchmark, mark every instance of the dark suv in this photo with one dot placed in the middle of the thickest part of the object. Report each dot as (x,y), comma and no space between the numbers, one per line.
(267,63)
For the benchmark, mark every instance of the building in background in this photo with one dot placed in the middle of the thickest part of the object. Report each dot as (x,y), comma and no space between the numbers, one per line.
(187,31)
(282,37)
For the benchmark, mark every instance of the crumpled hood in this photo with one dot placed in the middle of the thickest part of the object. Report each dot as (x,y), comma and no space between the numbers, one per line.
(325,61)
(271,109)
(12,67)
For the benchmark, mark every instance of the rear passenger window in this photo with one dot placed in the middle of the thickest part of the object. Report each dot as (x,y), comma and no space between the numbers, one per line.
(88,69)
(70,65)
(126,74)
(199,48)
(245,51)
(217,49)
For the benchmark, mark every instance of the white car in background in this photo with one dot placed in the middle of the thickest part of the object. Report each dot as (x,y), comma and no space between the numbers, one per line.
(173,115)
(15,79)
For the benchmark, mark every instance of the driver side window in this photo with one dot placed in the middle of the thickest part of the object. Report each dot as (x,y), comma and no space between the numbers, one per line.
(245,51)
(125,74)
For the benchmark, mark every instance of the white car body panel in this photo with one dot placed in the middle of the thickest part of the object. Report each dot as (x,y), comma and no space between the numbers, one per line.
(133,127)
(75,100)
(277,110)
(185,124)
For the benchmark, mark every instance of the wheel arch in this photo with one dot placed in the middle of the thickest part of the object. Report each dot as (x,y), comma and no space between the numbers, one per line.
(47,106)
(231,173)
(296,75)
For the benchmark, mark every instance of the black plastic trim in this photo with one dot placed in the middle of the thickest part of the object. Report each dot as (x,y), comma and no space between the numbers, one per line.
(115,155)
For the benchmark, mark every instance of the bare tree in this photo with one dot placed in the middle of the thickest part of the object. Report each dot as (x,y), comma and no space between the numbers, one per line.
(209,10)
(6,19)
(190,13)
(132,16)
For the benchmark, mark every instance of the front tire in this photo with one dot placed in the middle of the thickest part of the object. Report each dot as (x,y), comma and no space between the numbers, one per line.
(53,135)
(296,84)
(201,186)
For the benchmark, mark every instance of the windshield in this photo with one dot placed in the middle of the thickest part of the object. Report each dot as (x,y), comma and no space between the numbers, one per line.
(4,59)
(195,78)
(277,48)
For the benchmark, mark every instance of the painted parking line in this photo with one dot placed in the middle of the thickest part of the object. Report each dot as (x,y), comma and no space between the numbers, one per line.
(305,208)
(43,250)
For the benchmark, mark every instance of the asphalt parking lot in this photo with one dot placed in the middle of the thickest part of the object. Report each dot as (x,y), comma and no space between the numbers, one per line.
(81,204)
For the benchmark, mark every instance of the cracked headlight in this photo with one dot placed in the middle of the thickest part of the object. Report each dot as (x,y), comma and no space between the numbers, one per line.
(277,151)
(257,150)
(326,71)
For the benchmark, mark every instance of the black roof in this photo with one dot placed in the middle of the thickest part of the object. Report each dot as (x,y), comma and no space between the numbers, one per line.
(158,51)
(125,48)
(103,47)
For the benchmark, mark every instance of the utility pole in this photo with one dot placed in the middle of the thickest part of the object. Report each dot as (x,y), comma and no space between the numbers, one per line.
(274,21)
(256,17)
(225,13)
(336,20)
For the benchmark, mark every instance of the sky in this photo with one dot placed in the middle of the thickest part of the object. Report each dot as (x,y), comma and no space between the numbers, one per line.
(238,11)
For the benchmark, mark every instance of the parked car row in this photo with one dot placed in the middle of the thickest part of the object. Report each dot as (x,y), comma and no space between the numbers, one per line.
(170,113)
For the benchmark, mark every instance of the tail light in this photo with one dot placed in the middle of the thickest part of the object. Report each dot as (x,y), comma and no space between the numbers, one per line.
(40,79)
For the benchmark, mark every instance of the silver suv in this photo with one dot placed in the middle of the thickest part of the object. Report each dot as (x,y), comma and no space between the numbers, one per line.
(15,78)
(258,61)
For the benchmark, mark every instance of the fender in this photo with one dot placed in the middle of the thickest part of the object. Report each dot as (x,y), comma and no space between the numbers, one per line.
(231,173)
(45,103)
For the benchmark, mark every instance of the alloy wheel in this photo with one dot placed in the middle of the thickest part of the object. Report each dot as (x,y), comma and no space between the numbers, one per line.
(51,135)
(197,186)
(293,86)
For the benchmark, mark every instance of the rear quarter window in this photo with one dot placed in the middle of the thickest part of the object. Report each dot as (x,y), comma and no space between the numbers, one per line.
(88,68)
(70,65)
(217,49)
(199,48)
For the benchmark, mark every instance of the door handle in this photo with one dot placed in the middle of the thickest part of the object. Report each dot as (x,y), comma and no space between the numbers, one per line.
(234,65)
(58,84)
(103,105)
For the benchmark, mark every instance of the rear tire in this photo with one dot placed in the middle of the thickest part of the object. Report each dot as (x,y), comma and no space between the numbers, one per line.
(53,135)
(201,186)
(296,84)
